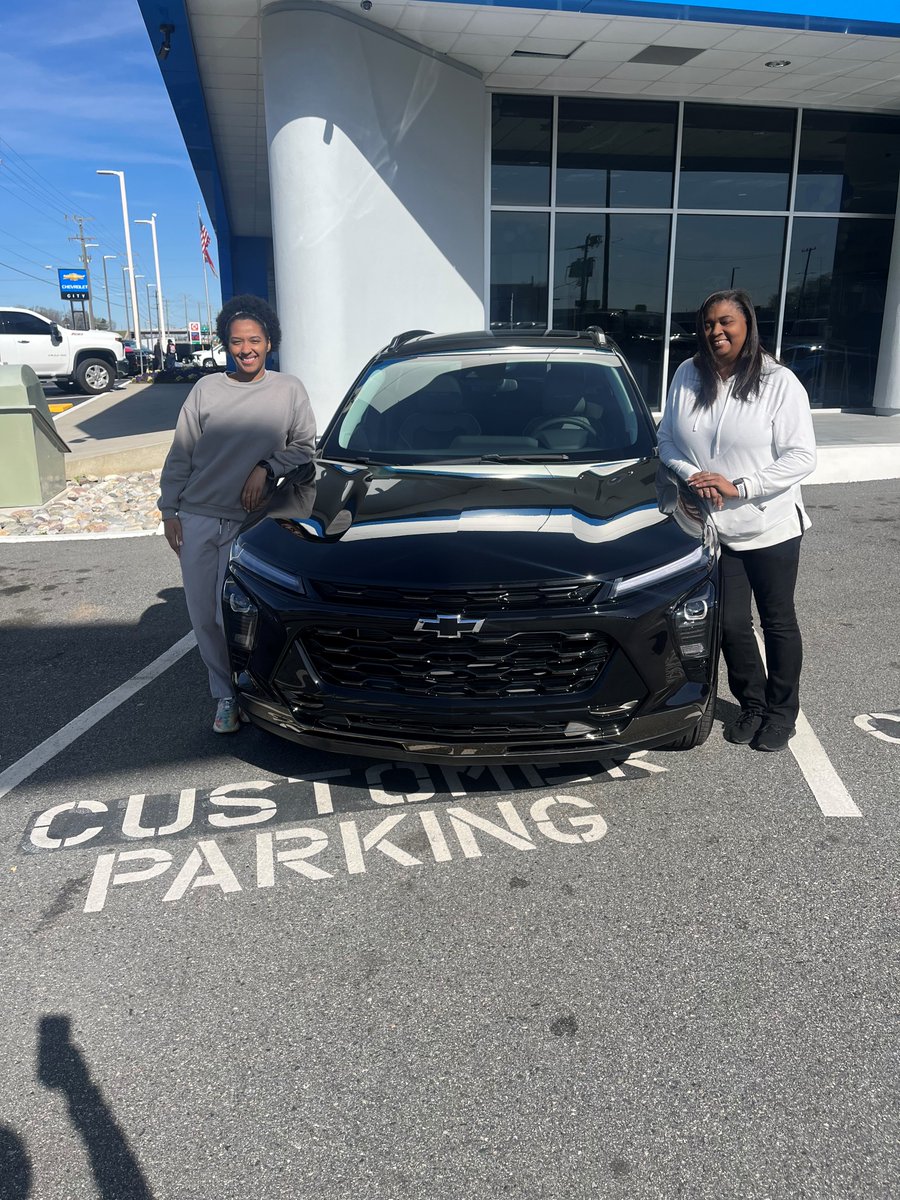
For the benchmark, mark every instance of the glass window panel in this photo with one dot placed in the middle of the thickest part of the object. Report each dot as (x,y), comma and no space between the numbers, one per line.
(733,157)
(521,140)
(520,259)
(833,310)
(610,270)
(26,324)
(724,252)
(848,163)
(615,154)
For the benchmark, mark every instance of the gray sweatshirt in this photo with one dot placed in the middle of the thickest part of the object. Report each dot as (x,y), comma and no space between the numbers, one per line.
(224,429)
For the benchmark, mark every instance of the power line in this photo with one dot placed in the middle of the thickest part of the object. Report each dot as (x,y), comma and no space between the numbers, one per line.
(27,274)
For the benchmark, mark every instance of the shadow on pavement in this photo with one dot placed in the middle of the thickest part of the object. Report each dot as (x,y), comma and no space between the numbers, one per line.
(15,1166)
(61,1066)
(152,410)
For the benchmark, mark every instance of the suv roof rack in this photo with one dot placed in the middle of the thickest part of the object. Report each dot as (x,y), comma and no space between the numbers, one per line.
(597,336)
(401,338)
(594,332)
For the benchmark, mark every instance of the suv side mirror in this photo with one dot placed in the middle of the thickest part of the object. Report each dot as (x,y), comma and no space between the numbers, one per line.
(55,336)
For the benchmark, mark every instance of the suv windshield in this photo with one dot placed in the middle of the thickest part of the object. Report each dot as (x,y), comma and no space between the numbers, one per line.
(498,405)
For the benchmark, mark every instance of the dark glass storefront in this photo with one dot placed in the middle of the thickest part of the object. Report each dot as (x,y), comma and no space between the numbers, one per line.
(595,222)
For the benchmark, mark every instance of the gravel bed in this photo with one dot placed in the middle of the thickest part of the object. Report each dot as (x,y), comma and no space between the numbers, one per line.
(113,504)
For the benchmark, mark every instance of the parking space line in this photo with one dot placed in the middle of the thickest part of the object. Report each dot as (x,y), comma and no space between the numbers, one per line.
(824,782)
(36,758)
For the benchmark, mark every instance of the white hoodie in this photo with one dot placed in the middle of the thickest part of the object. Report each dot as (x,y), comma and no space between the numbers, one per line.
(768,440)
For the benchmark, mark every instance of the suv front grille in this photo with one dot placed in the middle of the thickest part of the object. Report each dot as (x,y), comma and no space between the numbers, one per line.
(468,600)
(473,666)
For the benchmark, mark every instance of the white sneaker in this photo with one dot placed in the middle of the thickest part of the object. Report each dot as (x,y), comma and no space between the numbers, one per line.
(226,717)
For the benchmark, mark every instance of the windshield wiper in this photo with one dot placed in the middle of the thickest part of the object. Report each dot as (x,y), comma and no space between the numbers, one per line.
(523,458)
(362,462)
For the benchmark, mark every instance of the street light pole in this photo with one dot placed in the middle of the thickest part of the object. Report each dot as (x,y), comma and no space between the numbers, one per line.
(160,306)
(148,286)
(134,303)
(129,324)
(106,286)
(137,319)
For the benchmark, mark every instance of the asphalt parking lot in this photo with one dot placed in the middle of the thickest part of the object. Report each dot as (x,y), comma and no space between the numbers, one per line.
(237,968)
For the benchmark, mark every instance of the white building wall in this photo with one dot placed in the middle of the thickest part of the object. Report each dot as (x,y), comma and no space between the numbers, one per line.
(376,160)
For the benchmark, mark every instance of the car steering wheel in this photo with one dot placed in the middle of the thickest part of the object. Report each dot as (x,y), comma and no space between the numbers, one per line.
(573,422)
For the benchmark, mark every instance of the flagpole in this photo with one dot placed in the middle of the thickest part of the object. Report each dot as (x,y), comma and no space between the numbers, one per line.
(205,286)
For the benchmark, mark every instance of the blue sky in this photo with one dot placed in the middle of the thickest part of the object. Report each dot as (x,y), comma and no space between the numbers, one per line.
(80,89)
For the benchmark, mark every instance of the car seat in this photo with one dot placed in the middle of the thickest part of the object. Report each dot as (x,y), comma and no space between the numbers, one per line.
(439,417)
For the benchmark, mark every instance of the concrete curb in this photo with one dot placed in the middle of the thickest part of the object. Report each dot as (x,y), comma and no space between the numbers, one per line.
(855,464)
(119,462)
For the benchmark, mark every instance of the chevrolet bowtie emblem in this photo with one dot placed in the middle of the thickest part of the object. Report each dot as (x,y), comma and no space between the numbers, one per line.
(448,625)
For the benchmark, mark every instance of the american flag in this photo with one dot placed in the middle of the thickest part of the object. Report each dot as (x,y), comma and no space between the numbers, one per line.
(204,246)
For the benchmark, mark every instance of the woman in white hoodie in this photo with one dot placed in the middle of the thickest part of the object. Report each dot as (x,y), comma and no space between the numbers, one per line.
(738,430)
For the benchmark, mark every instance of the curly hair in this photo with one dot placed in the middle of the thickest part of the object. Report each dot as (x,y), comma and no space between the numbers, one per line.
(752,361)
(251,308)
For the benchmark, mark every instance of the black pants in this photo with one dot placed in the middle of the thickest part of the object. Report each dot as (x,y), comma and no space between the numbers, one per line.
(769,575)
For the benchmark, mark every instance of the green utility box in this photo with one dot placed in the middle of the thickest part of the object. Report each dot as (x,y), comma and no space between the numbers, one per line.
(32,454)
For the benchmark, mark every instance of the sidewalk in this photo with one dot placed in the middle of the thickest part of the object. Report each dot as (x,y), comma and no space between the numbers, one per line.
(122,431)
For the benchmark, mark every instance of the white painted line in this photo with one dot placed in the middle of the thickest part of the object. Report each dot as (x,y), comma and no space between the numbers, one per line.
(80,537)
(42,754)
(824,782)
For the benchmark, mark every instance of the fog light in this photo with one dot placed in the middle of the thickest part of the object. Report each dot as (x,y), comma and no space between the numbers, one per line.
(241,615)
(693,620)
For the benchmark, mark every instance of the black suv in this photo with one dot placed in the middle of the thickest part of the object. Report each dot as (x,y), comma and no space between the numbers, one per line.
(485,561)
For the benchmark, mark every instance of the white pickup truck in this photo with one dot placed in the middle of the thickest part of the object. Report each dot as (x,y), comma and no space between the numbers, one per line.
(82,360)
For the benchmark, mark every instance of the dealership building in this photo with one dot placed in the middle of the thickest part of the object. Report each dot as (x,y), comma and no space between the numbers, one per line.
(378,167)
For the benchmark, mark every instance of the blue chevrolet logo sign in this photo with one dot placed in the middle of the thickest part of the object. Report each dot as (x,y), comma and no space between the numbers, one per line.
(73,283)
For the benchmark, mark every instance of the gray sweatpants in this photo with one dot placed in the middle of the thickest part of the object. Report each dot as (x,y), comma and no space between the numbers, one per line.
(204,557)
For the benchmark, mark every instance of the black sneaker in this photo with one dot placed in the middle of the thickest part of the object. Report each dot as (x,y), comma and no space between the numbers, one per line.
(744,728)
(773,736)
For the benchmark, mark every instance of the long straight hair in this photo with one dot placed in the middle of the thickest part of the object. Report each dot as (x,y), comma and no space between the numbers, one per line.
(749,366)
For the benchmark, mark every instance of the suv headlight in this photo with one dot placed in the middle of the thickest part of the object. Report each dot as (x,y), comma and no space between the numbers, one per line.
(694,621)
(248,561)
(689,562)
(241,616)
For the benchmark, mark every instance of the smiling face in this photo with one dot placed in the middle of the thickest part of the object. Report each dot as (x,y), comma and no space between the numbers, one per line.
(726,332)
(248,345)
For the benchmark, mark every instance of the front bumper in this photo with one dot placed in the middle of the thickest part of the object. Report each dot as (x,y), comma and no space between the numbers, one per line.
(640,693)
(555,741)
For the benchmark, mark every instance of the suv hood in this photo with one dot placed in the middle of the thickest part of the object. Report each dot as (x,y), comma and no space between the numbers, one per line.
(465,524)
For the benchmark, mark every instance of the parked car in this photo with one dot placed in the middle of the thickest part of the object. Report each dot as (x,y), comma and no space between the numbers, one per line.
(486,561)
(137,360)
(79,360)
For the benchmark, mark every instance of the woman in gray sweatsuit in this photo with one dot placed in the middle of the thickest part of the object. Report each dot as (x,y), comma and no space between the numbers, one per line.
(236,434)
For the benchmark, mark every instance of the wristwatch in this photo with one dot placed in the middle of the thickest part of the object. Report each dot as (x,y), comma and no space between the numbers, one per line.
(267,467)
(741,485)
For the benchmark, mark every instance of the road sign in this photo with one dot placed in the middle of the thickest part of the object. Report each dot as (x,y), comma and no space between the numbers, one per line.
(194,331)
(73,283)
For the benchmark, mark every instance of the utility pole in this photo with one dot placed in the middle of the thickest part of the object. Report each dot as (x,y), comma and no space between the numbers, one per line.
(184,297)
(85,260)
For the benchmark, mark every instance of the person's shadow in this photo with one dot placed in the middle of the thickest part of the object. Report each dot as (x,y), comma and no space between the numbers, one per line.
(15,1166)
(61,1066)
